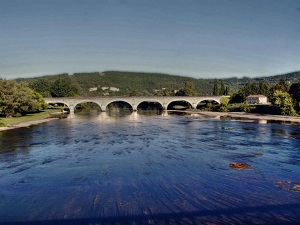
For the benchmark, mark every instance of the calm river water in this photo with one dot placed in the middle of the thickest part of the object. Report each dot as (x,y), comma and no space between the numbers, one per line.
(158,169)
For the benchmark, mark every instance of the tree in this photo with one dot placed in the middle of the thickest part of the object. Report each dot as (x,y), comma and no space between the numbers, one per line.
(223,88)
(246,90)
(188,90)
(18,98)
(227,90)
(263,88)
(63,87)
(295,93)
(283,101)
(43,86)
(216,90)
(281,86)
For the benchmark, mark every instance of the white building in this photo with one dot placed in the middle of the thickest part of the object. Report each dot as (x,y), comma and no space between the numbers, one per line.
(93,89)
(257,99)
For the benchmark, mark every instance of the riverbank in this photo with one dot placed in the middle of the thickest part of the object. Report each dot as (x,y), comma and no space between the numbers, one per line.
(242,115)
(27,124)
(209,114)
(26,121)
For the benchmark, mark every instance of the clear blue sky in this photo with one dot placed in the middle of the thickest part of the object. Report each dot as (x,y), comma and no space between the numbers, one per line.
(197,38)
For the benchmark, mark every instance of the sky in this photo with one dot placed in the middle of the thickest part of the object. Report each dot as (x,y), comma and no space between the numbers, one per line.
(196,38)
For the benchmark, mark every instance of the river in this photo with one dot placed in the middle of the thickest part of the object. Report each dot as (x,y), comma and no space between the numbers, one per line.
(150,169)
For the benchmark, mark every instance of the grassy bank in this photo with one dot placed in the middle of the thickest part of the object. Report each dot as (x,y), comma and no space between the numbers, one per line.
(28,118)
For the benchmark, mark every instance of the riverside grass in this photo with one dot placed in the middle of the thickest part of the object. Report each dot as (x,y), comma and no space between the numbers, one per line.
(5,122)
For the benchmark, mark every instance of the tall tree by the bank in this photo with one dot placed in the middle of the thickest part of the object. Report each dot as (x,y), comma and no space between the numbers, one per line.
(283,101)
(17,98)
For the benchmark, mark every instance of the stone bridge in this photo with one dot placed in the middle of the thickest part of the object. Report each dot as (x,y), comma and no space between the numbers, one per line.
(103,102)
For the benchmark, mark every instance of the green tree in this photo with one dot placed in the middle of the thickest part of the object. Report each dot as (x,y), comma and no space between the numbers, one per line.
(223,88)
(246,90)
(294,91)
(18,98)
(284,102)
(63,87)
(188,90)
(216,90)
(43,86)
(263,88)
(227,90)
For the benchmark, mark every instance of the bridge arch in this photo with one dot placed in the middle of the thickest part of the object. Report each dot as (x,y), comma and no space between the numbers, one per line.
(179,100)
(209,99)
(59,102)
(87,101)
(118,100)
(207,104)
(150,101)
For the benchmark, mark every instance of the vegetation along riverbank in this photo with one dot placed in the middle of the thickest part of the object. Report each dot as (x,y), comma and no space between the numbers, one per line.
(274,98)
(26,121)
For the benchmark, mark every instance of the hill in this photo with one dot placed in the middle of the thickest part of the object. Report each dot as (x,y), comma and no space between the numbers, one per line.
(125,83)
(118,83)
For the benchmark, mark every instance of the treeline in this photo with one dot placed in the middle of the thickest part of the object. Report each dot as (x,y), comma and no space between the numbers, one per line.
(283,96)
(140,84)
(17,99)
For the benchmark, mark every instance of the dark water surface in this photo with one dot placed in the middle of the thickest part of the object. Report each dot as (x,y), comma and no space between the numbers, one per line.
(140,169)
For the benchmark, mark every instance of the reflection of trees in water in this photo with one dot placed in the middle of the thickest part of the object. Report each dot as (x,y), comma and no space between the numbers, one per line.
(13,140)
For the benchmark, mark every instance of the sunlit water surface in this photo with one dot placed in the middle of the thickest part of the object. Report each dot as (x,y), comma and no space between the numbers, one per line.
(139,169)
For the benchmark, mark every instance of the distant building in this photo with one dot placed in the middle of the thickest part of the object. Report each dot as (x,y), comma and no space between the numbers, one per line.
(110,88)
(114,89)
(93,89)
(257,99)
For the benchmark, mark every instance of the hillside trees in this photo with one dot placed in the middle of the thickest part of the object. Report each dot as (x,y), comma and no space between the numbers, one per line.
(17,98)
(43,86)
(216,89)
(220,89)
(250,88)
(63,87)
(188,90)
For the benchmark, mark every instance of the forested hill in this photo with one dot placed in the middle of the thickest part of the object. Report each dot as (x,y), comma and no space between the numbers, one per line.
(288,77)
(116,83)
(128,83)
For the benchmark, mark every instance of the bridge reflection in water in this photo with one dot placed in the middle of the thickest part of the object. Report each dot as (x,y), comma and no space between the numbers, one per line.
(134,102)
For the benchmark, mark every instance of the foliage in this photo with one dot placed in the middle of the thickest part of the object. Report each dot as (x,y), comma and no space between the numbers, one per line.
(188,90)
(129,83)
(236,98)
(245,107)
(17,98)
(216,90)
(294,91)
(63,87)
(224,101)
(284,103)
(43,86)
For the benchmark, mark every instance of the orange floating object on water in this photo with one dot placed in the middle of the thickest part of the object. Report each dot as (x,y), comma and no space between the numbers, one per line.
(239,166)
